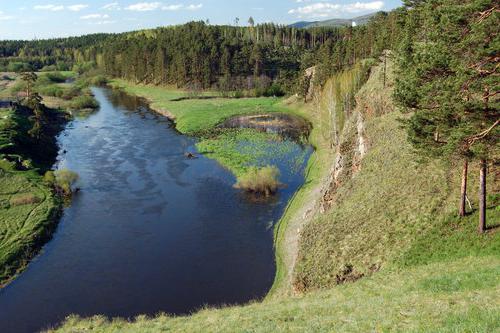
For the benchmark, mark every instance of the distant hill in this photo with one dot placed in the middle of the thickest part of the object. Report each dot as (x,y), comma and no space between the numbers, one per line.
(360,20)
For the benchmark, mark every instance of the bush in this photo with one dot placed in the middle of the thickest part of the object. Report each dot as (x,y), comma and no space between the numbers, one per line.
(51,90)
(50,178)
(84,102)
(64,180)
(19,67)
(260,180)
(274,91)
(56,77)
(98,80)
(49,68)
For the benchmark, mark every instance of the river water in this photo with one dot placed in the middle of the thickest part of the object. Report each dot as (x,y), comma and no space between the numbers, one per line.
(150,231)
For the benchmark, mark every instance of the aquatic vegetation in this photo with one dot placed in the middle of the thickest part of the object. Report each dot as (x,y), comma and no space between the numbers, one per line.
(239,149)
(259,180)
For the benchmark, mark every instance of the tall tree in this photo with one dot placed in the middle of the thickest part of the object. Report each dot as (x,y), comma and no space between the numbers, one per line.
(448,76)
(29,78)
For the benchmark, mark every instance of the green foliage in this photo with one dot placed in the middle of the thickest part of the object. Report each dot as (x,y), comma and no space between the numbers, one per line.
(49,178)
(451,89)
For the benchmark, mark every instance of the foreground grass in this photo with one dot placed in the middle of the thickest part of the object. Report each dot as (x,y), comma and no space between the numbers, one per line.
(458,296)
(197,115)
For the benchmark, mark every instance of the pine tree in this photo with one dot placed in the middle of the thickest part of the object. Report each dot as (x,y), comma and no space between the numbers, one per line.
(447,77)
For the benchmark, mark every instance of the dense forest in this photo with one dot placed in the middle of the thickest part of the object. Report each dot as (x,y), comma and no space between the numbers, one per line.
(199,56)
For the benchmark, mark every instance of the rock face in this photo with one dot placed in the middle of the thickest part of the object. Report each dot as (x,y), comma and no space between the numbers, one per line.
(351,142)
(310,76)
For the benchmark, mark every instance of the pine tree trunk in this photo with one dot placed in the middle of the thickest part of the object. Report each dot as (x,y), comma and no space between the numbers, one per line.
(482,197)
(463,192)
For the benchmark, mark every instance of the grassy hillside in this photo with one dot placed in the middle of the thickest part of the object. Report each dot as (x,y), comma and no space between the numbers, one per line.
(384,205)
(389,225)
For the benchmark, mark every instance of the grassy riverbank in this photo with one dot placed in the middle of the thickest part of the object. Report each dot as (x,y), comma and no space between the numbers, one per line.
(28,207)
(193,116)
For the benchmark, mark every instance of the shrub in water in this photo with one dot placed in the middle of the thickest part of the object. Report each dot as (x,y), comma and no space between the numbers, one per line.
(65,179)
(260,180)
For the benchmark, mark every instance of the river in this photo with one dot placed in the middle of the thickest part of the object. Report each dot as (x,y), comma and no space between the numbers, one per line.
(150,231)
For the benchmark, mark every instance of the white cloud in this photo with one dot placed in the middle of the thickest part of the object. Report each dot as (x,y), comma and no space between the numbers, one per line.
(144,6)
(102,22)
(53,8)
(328,9)
(4,17)
(111,6)
(77,8)
(94,16)
(194,7)
(172,7)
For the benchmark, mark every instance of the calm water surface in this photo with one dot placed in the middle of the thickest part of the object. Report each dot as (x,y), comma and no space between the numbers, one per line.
(150,231)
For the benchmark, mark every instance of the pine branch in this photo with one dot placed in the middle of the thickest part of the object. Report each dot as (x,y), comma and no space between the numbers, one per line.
(471,140)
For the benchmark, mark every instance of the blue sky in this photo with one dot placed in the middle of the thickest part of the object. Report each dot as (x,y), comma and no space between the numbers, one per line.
(51,18)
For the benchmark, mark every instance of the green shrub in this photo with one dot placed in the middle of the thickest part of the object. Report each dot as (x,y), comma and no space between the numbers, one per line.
(83,102)
(49,178)
(51,90)
(65,179)
(98,80)
(260,180)
(49,68)
(274,91)
(56,77)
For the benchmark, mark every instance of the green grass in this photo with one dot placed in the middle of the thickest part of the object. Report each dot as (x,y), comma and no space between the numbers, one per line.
(199,115)
(28,208)
(25,223)
(457,296)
